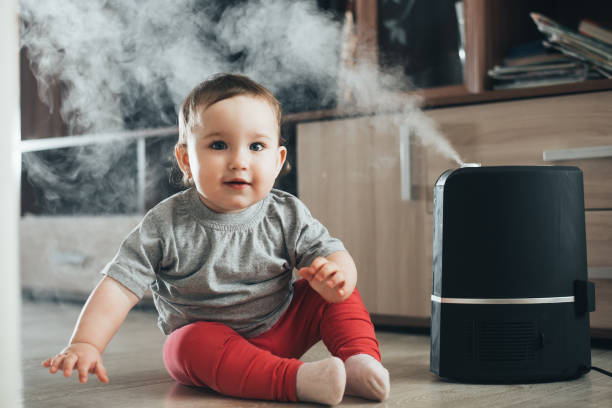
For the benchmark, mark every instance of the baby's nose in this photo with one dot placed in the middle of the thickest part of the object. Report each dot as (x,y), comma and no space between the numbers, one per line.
(239,160)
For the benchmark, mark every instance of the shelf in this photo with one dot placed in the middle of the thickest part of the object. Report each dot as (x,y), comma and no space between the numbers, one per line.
(456,96)
(435,98)
(492,27)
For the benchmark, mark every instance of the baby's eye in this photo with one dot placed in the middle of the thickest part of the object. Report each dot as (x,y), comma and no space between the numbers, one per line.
(218,145)
(256,146)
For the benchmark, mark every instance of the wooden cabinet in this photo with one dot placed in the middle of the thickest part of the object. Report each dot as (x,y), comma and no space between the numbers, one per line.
(350,175)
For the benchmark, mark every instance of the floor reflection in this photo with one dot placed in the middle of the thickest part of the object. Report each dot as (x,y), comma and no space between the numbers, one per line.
(180,394)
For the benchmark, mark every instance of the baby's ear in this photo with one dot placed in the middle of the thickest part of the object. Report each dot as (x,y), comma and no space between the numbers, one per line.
(182,158)
(282,151)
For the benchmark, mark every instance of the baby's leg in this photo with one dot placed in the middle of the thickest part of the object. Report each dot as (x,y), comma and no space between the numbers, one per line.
(348,332)
(213,355)
(296,331)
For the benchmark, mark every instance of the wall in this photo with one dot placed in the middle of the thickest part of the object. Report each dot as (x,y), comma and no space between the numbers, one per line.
(10,373)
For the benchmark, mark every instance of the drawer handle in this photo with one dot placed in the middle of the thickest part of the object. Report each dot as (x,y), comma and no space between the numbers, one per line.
(578,153)
(404,150)
(600,273)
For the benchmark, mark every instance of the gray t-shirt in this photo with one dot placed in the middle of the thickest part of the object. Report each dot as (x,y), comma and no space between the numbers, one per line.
(235,269)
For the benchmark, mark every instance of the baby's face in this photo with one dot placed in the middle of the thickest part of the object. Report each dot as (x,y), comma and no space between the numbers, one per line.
(234,155)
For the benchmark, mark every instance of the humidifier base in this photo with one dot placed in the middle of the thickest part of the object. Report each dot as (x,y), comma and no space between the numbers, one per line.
(510,343)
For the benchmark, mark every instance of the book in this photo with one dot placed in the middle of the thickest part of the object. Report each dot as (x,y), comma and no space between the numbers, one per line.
(583,55)
(507,77)
(576,45)
(535,59)
(556,33)
(506,72)
(532,52)
(537,82)
(599,31)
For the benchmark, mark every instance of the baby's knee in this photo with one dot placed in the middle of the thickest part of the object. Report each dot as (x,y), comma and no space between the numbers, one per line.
(192,351)
(203,334)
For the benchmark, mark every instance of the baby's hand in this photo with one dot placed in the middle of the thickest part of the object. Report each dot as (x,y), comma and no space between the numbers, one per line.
(85,357)
(326,278)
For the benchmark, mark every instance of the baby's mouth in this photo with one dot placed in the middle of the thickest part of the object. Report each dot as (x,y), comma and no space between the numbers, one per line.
(237,183)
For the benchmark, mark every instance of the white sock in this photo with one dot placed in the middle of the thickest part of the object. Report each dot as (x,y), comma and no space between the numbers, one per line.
(321,381)
(366,377)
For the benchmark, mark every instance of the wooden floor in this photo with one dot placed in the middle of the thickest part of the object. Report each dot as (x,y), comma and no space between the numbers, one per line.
(138,378)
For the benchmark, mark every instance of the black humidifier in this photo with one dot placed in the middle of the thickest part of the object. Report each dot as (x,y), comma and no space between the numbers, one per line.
(510,299)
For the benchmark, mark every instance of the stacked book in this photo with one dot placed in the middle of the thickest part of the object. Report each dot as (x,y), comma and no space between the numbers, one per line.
(591,50)
(599,31)
(565,56)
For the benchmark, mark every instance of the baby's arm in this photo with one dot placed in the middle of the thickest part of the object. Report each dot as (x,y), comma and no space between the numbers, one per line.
(103,313)
(333,277)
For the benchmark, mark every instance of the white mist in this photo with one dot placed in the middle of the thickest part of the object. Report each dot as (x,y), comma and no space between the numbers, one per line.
(10,368)
(110,48)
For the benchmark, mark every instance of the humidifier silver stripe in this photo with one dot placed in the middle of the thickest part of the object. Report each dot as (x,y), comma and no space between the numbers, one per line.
(506,301)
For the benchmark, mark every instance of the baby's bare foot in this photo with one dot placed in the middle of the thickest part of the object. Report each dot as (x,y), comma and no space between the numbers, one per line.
(366,377)
(321,381)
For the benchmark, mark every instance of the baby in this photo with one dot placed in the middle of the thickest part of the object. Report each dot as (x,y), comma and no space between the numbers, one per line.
(219,260)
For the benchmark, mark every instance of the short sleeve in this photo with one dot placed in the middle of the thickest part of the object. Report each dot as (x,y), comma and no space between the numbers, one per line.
(312,239)
(138,257)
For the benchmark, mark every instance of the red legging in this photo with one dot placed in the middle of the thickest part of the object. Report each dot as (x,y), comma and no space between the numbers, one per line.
(208,354)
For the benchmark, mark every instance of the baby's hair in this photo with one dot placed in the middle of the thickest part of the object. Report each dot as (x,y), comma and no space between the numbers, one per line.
(217,88)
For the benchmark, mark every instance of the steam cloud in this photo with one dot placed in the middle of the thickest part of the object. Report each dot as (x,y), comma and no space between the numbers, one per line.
(99,47)
(117,59)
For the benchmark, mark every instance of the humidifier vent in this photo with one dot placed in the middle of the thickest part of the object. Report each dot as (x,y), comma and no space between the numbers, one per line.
(505,341)
(470,344)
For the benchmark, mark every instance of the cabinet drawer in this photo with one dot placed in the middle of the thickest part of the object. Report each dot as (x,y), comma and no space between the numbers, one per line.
(601,318)
(599,255)
(599,239)
(519,132)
